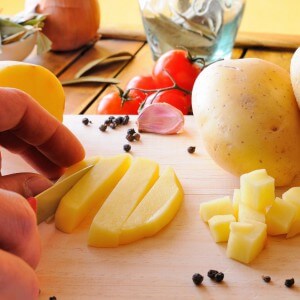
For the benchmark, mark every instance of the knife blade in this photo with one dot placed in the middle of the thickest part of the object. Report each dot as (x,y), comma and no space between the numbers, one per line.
(48,200)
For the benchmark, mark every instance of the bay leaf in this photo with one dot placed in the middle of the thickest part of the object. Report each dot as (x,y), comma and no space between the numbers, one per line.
(13,37)
(167,31)
(43,43)
(117,57)
(8,27)
(90,79)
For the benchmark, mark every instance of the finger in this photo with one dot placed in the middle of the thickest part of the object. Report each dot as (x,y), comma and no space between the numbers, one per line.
(26,119)
(19,232)
(17,279)
(30,154)
(25,184)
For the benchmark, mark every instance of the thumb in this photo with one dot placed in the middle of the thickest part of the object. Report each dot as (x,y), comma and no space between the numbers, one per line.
(25,184)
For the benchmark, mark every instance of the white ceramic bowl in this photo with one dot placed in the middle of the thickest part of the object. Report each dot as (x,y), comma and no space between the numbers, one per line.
(18,50)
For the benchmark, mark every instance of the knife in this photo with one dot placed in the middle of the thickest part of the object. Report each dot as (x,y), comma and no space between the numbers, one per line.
(48,201)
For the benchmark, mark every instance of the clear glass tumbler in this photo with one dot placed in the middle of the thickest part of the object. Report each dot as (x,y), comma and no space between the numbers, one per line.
(207,28)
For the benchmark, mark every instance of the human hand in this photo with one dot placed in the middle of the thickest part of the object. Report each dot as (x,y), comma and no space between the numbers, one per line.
(28,130)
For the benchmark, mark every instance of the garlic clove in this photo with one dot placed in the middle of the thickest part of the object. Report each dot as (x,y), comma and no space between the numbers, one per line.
(161,118)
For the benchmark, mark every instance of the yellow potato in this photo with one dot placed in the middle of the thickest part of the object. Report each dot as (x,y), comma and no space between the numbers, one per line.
(249,117)
(38,82)
(295,74)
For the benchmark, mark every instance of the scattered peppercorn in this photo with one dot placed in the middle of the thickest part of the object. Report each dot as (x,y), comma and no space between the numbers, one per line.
(127,147)
(137,136)
(111,118)
(212,273)
(52,298)
(197,278)
(113,125)
(86,121)
(129,137)
(119,120)
(289,282)
(219,277)
(103,127)
(191,149)
(266,278)
(125,120)
(131,131)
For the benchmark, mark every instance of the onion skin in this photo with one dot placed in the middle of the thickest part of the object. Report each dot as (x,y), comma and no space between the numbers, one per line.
(70,24)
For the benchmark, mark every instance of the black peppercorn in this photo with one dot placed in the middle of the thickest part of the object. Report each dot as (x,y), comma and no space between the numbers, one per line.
(125,120)
(86,121)
(111,118)
(219,277)
(212,273)
(129,137)
(137,136)
(131,131)
(126,147)
(266,278)
(103,127)
(113,125)
(191,149)
(107,122)
(52,298)
(289,282)
(119,120)
(197,278)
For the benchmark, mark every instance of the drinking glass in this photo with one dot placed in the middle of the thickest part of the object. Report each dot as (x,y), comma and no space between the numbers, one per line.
(206,28)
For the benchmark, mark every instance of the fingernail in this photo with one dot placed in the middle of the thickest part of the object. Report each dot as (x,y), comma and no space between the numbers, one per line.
(35,185)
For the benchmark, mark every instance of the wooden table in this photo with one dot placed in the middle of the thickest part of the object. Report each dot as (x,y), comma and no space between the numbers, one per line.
(160,267)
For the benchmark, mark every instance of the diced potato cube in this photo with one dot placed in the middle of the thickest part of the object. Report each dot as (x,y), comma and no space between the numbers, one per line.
(247,213)
(293,196)
(257,189)
(246,240)
(280,216)
(236,199)
(220,206)
(220,227)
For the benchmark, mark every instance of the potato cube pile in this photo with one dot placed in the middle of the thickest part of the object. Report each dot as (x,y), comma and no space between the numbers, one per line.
(253,213)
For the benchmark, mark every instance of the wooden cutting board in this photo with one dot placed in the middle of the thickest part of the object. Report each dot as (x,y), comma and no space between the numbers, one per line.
(161,267)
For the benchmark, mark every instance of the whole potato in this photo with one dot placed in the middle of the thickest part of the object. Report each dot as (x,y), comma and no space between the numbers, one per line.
(295,74)
(249,117)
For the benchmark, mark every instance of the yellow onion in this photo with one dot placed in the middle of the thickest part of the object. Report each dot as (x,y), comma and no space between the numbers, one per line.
(70,24)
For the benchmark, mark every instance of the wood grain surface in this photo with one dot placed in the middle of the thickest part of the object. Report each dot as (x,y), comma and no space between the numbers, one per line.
(161,267)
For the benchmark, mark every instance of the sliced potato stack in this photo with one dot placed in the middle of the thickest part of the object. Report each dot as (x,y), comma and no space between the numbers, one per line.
(129,197)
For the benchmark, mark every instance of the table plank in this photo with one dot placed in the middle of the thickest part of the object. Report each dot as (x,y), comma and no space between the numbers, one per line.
(142,64)
(161,267)
(82,95)
(279,57)
(56,62)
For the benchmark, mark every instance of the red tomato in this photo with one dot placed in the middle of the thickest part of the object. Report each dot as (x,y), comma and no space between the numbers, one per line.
(180,67)
(141,82)
(177,98)
(111,104)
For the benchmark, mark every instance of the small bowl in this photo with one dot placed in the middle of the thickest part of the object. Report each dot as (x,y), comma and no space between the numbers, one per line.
(18,50)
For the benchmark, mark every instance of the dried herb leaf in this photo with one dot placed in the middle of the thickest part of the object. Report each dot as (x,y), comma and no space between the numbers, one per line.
(13,37)
(168,31)
(117,57)
(43,43)
(90,79)
(8,27)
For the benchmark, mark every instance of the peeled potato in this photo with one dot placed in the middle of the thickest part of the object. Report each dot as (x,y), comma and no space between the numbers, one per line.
(249,117)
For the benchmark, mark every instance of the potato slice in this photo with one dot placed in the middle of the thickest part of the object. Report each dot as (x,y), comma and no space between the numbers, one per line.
(107,224)
(90,191)
(79,166)
(37,81)
(156,209)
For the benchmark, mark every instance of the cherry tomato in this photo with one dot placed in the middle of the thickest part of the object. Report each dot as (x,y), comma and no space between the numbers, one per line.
(141,82)
(111,104)
(180,67)
(177,98)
